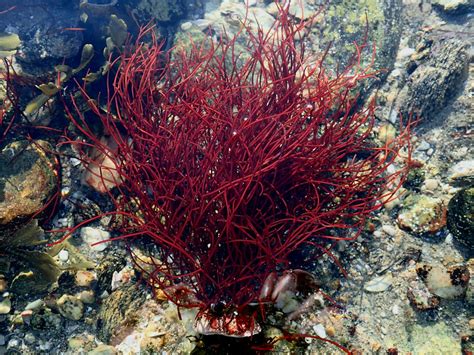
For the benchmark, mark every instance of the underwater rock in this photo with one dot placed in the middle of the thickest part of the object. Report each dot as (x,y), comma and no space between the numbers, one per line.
(462,173)
(445,283)
(42,29)
(27,180)
(105,271)
(420,297)
(460,217)
(70,307)
(454,7)
(422,214)
(164,11)
(435,80)
(135,323)
(117,314)
(383,27)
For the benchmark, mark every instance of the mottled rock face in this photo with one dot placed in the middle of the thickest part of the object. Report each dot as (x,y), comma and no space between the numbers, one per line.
(27,180)
(439,71)
(461,217)
(454,7)
(344,22)
(40,25)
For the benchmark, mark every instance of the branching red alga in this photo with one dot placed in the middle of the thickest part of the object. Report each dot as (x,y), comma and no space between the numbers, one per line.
(230,163)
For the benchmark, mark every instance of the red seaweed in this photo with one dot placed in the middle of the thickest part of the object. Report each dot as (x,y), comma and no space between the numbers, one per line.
(228,164)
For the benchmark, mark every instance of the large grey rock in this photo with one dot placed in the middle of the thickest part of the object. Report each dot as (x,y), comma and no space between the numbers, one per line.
(436,79)
(455,7)
(42,28)
(344,23)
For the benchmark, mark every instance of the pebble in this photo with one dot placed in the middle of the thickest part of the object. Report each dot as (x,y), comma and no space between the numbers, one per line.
(30,338)
(320,331)
(93,235)
(85,278)
(34,305)
(379,283)
(430,185)
(70,307)
(406,52)
(390,230)
(185,26)
(3,285)
(63,255)
(13,343)
(471,323)
(396,310)
(86,296)
(5,306)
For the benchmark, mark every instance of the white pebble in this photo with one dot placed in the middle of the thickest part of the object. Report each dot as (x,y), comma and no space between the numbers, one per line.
(406,52)
(34,305)
(95,235)
(379,283)
(396,309)
(63,255)
(320,331)
(430,184)
(390,230)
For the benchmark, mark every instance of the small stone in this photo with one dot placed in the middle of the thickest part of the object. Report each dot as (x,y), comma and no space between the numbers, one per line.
(380,283)
(95,235)
(30,338)
(406,52)
(85,278)
(430,185)
(185,26)
(390,230)
(26,315)
(3,285)
(13,343)
(70,307)
(320,331)
(396,310)
(63,255)
(86,296)
(471,323)
(5,306)
(34,305)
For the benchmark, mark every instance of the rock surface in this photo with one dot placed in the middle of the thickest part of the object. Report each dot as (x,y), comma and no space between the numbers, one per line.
(436,80)
(27,180)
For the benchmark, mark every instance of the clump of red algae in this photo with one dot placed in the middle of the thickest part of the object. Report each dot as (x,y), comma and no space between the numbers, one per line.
(231,163)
